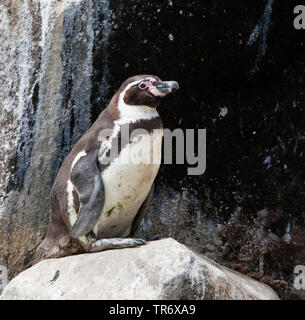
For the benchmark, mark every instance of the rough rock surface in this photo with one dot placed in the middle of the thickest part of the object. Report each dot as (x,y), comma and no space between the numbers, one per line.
(45,93)
(162,269)
(242,74)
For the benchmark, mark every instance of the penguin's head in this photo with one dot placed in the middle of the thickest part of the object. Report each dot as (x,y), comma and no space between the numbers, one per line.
(146,90)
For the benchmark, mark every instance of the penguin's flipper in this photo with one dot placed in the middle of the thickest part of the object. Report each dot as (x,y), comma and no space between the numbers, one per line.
(140,215)
(87,180)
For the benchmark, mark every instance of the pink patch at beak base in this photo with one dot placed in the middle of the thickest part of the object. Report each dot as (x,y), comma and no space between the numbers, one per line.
(153,90)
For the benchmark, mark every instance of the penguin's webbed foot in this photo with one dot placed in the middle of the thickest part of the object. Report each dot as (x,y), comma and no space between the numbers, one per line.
(115,243)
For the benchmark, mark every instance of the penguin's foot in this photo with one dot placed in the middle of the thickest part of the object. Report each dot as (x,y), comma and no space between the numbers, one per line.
(115,243)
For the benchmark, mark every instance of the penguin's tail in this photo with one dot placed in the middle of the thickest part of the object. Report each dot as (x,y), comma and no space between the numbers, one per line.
(44,251)
(55,248)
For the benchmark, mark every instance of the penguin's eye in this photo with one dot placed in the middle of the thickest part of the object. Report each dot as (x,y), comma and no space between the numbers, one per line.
(142,86)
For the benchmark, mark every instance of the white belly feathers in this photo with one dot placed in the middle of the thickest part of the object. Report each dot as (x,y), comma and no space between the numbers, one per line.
(127,182)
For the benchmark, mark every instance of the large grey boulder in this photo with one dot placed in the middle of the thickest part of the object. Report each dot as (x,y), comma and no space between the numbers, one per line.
(163,269)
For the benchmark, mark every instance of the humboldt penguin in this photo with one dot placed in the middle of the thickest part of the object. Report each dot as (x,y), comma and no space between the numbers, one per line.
(105,184)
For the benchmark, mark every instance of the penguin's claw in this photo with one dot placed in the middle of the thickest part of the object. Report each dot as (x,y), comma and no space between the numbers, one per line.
(139,242)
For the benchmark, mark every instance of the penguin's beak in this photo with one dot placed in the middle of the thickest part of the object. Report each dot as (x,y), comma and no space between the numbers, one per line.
(162,88)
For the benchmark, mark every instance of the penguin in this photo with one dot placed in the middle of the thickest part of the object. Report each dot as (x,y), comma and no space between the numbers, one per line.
(105,184)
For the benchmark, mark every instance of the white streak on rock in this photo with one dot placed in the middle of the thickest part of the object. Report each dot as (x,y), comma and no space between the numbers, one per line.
(260,32)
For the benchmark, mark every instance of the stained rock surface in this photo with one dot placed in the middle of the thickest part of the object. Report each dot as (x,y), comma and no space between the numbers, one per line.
(163,269)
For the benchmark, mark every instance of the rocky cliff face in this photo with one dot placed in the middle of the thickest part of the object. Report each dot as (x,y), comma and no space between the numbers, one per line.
(241,70)
(45,107)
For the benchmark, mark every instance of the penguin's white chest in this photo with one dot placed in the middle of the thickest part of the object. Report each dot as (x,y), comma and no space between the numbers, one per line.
(127,182)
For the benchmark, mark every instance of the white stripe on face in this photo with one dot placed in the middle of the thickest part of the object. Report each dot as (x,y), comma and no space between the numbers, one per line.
(132,113)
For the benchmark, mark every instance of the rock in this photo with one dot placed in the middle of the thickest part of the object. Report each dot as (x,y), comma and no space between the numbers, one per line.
(44,108)
(163,269)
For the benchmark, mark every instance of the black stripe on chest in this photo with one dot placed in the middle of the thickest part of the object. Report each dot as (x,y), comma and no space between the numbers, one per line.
(128,128)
